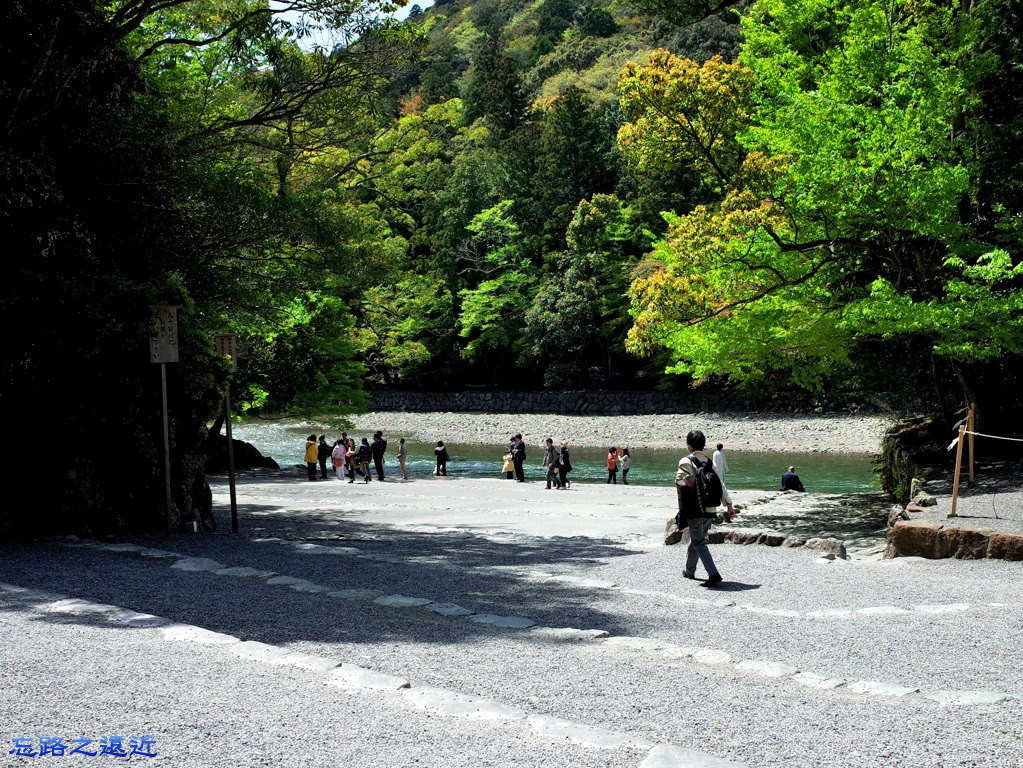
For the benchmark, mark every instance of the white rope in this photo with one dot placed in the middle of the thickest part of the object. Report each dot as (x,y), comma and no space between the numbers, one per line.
(996,437)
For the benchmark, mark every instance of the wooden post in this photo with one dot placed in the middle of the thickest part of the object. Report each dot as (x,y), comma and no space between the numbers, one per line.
(230,462)
(959,467)
(971,427)
(166,453)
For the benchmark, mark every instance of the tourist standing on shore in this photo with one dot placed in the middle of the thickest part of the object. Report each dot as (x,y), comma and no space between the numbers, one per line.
(518,457)
(626,461)
(322,454)
(338,457)
(720,462)
(311,453)
(566,464)
(508,466)
(352,457)
(552,461)
(365,459)
(402,455)
(379,449)
(700,511)
(612,465)
(442,459)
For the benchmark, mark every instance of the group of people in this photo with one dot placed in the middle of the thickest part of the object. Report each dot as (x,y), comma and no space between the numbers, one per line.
(616,461)
(557,462)
(349,459)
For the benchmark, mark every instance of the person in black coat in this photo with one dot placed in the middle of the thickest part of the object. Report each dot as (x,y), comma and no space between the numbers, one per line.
(379,449)
(518,458)
(322,454)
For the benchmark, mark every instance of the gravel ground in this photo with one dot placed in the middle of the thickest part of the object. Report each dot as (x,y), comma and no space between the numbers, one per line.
(995,502)
(497,564)
(825,433)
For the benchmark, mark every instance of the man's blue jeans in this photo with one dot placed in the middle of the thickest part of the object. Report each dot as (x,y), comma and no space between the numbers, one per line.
(698,549)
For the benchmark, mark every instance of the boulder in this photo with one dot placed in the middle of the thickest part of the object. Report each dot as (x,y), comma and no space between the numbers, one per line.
(916,538)
(672,534)
(1005,546)
(772,539)
(743,536)
(828,545)
(794,541)
(897,513)
(924,500)
(967,543)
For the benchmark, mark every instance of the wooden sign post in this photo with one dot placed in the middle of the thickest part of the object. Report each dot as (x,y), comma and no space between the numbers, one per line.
(959,467)
(227,345)
(163,349)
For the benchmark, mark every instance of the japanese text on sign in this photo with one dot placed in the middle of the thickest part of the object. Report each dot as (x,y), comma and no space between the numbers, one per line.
(163,340)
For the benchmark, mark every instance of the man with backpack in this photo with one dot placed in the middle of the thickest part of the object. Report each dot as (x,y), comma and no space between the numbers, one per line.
(379,448)
(700,492)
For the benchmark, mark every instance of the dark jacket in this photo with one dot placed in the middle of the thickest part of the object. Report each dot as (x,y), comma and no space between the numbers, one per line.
(379,447)
(790,482)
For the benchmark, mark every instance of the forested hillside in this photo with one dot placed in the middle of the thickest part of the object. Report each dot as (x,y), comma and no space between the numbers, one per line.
(819,194)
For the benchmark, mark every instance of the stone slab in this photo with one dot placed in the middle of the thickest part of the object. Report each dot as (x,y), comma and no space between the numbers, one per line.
(1006,546)
(402,601)
(453,704)
(710,656)
(306,661)
(192,634)
(967,543)
(767,668)
(829,613)
(877,688)
(157,554)
(506,622)
(355,594)
(136,620)
(122,548)
(256,651)
(568,634)
(648,644)
(448,609)
(286,581)
(76,607)
(197,564)
(352,677)
(917,538)
(948,608)
(881,610)
(244,572)
(670,756)
(585,734)
(821,682)
(967,698)
(582,581)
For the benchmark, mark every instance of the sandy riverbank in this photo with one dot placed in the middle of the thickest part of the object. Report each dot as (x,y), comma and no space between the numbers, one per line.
(815,433)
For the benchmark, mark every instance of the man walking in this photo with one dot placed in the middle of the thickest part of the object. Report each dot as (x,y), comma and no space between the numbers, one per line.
(379,449)
(699,489)
(552,461)
(518,458)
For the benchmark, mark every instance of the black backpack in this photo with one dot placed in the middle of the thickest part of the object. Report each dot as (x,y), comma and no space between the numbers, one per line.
(706,491)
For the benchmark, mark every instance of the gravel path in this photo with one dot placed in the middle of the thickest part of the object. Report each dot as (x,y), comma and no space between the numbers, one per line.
(825,433)
(682,665)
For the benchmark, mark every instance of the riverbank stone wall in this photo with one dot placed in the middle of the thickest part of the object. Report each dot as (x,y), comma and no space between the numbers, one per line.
(608,403)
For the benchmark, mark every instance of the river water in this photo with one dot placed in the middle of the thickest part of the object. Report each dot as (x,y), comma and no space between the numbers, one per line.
(747,470)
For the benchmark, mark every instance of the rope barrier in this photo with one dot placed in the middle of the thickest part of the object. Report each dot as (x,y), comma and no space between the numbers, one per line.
(955,442)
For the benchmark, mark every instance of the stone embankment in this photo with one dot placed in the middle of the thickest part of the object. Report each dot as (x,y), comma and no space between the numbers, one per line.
(609,403)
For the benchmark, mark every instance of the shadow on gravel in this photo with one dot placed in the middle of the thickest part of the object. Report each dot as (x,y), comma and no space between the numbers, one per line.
(440,567)
(735,586)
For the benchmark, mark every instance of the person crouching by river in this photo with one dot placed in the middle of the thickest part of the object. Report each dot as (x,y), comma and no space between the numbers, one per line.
(612,465)
(790,481)
(311,456)
(442,459)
